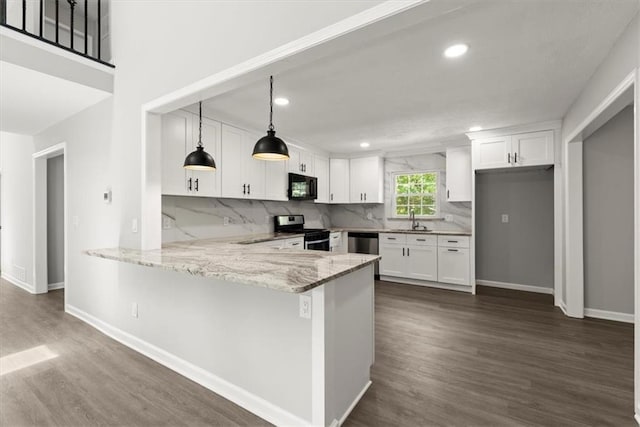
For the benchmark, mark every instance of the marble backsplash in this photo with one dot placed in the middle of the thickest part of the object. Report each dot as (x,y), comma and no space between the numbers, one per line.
(198,217)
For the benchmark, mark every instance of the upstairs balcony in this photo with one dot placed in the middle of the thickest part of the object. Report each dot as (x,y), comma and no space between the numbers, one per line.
(55,60)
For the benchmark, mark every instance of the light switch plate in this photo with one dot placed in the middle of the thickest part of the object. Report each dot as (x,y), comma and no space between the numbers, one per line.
(225,220)
(448,218)
(134,225)
(505,218)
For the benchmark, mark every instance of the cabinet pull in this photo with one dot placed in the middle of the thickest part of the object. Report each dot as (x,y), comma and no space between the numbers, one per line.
(332,197)
(402,251)
(452,241)
(408,253)
(508,157)
(248,188)
(295,244)
(447,194)
(515,157)
(197,186)
(391,238)
(244,188)
(421,240)
(360,196)
(189,186)
(452,250)
(365,197)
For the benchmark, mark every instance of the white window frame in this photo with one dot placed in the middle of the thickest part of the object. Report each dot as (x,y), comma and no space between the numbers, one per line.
(394,175)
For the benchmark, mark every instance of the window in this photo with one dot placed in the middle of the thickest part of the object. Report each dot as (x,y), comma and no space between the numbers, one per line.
(417,192)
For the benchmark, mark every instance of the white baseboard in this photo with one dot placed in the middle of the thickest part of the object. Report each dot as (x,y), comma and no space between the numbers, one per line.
(515,287)
(609,315)
(344,416)
(563,307)
(427,284)
(19,283)
(237,395)
(54,286)
(637,417)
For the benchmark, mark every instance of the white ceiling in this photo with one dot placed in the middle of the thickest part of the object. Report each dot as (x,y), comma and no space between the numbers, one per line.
(31,101)
(527,62)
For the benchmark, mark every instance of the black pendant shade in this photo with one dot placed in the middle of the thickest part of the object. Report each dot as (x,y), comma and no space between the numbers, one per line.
(270,147)
(200,160)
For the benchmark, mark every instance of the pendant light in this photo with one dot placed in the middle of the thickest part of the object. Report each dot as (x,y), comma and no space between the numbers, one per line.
(270,147)
(200,160)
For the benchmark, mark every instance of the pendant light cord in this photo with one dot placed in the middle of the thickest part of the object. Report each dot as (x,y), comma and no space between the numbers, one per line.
(200,130)
(271,103)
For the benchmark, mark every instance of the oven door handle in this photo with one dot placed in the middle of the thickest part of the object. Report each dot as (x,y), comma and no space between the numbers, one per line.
(315,242)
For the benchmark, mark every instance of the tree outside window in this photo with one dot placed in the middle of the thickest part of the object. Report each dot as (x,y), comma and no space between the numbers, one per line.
(417,192)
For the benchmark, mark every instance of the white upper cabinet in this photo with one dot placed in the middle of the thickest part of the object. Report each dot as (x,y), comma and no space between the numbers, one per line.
(532,149)
(300,161)
(525,149)
(179,138)
(242,175)
(276,180)
(339,181)
(366,176)
(458,174)
(492,153)
(321,169)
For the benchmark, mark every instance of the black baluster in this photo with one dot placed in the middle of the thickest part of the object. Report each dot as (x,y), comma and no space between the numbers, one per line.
(86,25)
(72,7)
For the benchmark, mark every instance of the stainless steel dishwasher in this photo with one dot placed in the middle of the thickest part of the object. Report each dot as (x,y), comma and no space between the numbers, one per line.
(365,243)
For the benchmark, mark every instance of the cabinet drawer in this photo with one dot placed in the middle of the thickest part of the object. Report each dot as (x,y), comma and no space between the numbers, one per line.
(453,241)
(297,243)
(453,266)
(422,240)
(392,238)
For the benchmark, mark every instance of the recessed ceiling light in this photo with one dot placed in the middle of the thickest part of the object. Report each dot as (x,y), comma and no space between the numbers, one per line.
(475,128)
(281,101)
(364,144)
(456,50)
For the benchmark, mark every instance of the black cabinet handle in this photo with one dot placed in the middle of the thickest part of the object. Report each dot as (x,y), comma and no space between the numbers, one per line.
(365,197)
(197,186)
(408,253)
(360,196)
(332,197)
(244,188)
(447,194)
(190,187)
(452,241)
(515,157)
(508,157)
(391,238)
(248,188)
(452,250)
(421,240)
(402,251)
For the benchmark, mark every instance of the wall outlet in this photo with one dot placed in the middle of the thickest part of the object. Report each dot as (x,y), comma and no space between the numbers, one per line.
(134,309)
(225,220)
(448,218)
(305,306)
(505,218)
(166,222)
(369,216)
(134,225)
(20,272)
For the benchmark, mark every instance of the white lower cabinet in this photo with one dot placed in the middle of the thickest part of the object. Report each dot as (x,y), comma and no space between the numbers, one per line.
(337,242)
(428,258)
(292,243)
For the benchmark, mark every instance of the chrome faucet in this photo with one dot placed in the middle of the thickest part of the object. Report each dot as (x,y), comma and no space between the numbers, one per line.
(414,224)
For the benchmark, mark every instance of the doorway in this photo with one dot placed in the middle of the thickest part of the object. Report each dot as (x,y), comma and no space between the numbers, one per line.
(50,219)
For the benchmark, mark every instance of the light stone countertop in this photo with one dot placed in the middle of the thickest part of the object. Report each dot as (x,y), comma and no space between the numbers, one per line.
(287,270)
(401,231)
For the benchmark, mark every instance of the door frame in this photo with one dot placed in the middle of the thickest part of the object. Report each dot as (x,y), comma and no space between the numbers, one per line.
(40,256)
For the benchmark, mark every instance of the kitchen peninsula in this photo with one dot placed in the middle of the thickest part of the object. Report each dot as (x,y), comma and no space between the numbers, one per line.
(284,333)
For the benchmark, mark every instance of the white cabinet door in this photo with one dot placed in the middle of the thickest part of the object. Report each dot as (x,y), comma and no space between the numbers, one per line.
(453,266)
(294,160)
(491,153)
(422,262)
(295,243)
(393,260)
(176,140)
(306,162)
(207,183)
(254,169)
(532,149)
(458,174)
(231,162)
(339,181)
(276,180)
(321,169)
(365,176)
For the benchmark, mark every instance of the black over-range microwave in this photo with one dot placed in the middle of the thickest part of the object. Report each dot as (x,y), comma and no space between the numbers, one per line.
(302,187)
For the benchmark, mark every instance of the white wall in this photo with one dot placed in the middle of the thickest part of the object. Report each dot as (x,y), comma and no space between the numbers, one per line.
(17,202)
(55,220)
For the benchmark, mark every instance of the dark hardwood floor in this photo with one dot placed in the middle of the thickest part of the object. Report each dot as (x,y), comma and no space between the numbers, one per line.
(501,358)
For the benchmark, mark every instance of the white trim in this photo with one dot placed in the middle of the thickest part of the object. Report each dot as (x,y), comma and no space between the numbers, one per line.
(516,287)
(346,414)
(609,315)
(19,283)
(237,395)
(554,125)
(52,151)
(636,416)
(394,175)
(563,307)
(427,284)
(54,286)
(618,91)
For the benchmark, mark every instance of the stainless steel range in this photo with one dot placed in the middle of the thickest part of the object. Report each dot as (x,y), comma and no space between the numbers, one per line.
(316,239)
